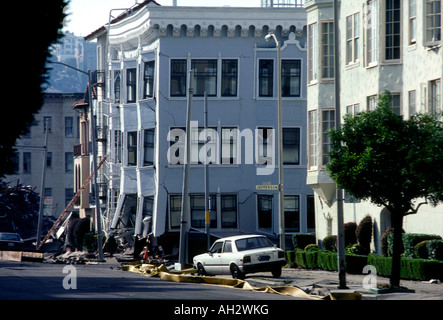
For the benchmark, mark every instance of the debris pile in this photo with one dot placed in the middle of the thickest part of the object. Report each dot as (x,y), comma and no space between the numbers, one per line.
(19,209)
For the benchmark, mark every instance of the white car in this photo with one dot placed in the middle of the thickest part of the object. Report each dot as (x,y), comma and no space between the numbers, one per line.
(240,255)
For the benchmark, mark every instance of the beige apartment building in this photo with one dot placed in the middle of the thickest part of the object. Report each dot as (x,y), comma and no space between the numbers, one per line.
(390,45)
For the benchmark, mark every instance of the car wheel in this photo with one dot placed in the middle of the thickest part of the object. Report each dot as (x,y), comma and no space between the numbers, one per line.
(276,273)
(236,273)
(200,270)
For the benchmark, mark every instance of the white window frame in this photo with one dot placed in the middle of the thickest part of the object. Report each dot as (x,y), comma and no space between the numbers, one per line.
(372,30)
(431,15)
(412,21)
(352,39)
(326,142)
(312,139)
(313,53)
(327,69)
(385,58)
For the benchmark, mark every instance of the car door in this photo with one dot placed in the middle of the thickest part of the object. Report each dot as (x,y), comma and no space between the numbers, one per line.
(213,259)
(226,257)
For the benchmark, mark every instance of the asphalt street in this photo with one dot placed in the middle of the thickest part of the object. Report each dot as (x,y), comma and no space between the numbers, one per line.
(49,281)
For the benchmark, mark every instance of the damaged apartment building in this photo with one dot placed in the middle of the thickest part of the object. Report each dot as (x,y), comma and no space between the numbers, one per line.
(145,55)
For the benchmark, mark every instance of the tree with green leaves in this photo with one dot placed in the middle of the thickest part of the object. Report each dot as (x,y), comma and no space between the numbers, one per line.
(380,157)
(28,36)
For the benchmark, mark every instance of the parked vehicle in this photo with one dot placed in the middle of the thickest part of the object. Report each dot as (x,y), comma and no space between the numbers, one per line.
(10,240)
(240,255)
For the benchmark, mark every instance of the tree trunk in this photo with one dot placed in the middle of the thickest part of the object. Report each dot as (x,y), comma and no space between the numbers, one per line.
(397,224)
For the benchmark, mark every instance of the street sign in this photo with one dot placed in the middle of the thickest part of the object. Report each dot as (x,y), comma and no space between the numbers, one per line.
(266,187)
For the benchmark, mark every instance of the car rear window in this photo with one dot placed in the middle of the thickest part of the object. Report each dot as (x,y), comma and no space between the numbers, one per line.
(253,243)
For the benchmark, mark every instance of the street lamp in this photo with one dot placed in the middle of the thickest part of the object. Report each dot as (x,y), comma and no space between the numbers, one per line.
(281,205)
(94,160)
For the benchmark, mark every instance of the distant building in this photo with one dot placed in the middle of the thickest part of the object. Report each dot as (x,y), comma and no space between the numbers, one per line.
(384,45)
(76,52)
(146,57)
(62,122)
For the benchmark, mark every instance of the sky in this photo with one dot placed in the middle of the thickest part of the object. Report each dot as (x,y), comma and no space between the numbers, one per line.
(86,16)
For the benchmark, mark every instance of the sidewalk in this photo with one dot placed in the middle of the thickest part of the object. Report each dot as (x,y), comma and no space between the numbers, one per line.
(323,282)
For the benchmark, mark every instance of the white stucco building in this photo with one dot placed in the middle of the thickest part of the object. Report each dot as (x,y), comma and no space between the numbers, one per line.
(384,45)
(146,56)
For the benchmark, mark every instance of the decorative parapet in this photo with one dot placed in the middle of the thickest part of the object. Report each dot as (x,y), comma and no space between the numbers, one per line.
(153,22)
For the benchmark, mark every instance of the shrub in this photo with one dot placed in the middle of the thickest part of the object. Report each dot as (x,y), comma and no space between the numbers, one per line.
(300,258)
(355,249)
(420,250)
(364,234)
(311,259)
(410,240)
(312,246)
(330,243)
(350,230)
(301,240)
(413,269)
(435,249)
(327,260)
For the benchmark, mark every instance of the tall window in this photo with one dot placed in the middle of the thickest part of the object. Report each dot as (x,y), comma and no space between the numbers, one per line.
(148,79)
(148,159)
(118,146)
(395,103)
(412,99)
(117,86)
(228,211)
(292,213)
(371,32)
(266,78)
(312,119)
(328,122)
(229,145)
(412,21)
(312,52)
(26,162)
(290,78)
(433,21)
(264,206)
(131,84)
(175,205)
(392,29)
(371,102)
(291,145)
(132,148)
(205,77)
(229,78)
(435,97)
(198,211)
(327,50)
(69,127)
(178,78)
(69,161)
(352,38)
(265,146)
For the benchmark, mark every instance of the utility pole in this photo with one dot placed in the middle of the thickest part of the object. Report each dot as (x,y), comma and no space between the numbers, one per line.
(98,213)
(340,223)
(207,196)
(42,185)
(185,193)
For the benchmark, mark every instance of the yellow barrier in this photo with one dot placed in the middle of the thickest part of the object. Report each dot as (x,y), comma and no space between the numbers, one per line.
(187,277)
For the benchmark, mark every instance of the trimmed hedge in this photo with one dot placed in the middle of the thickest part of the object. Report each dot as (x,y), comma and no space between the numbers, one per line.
(410,240)
(411,269)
